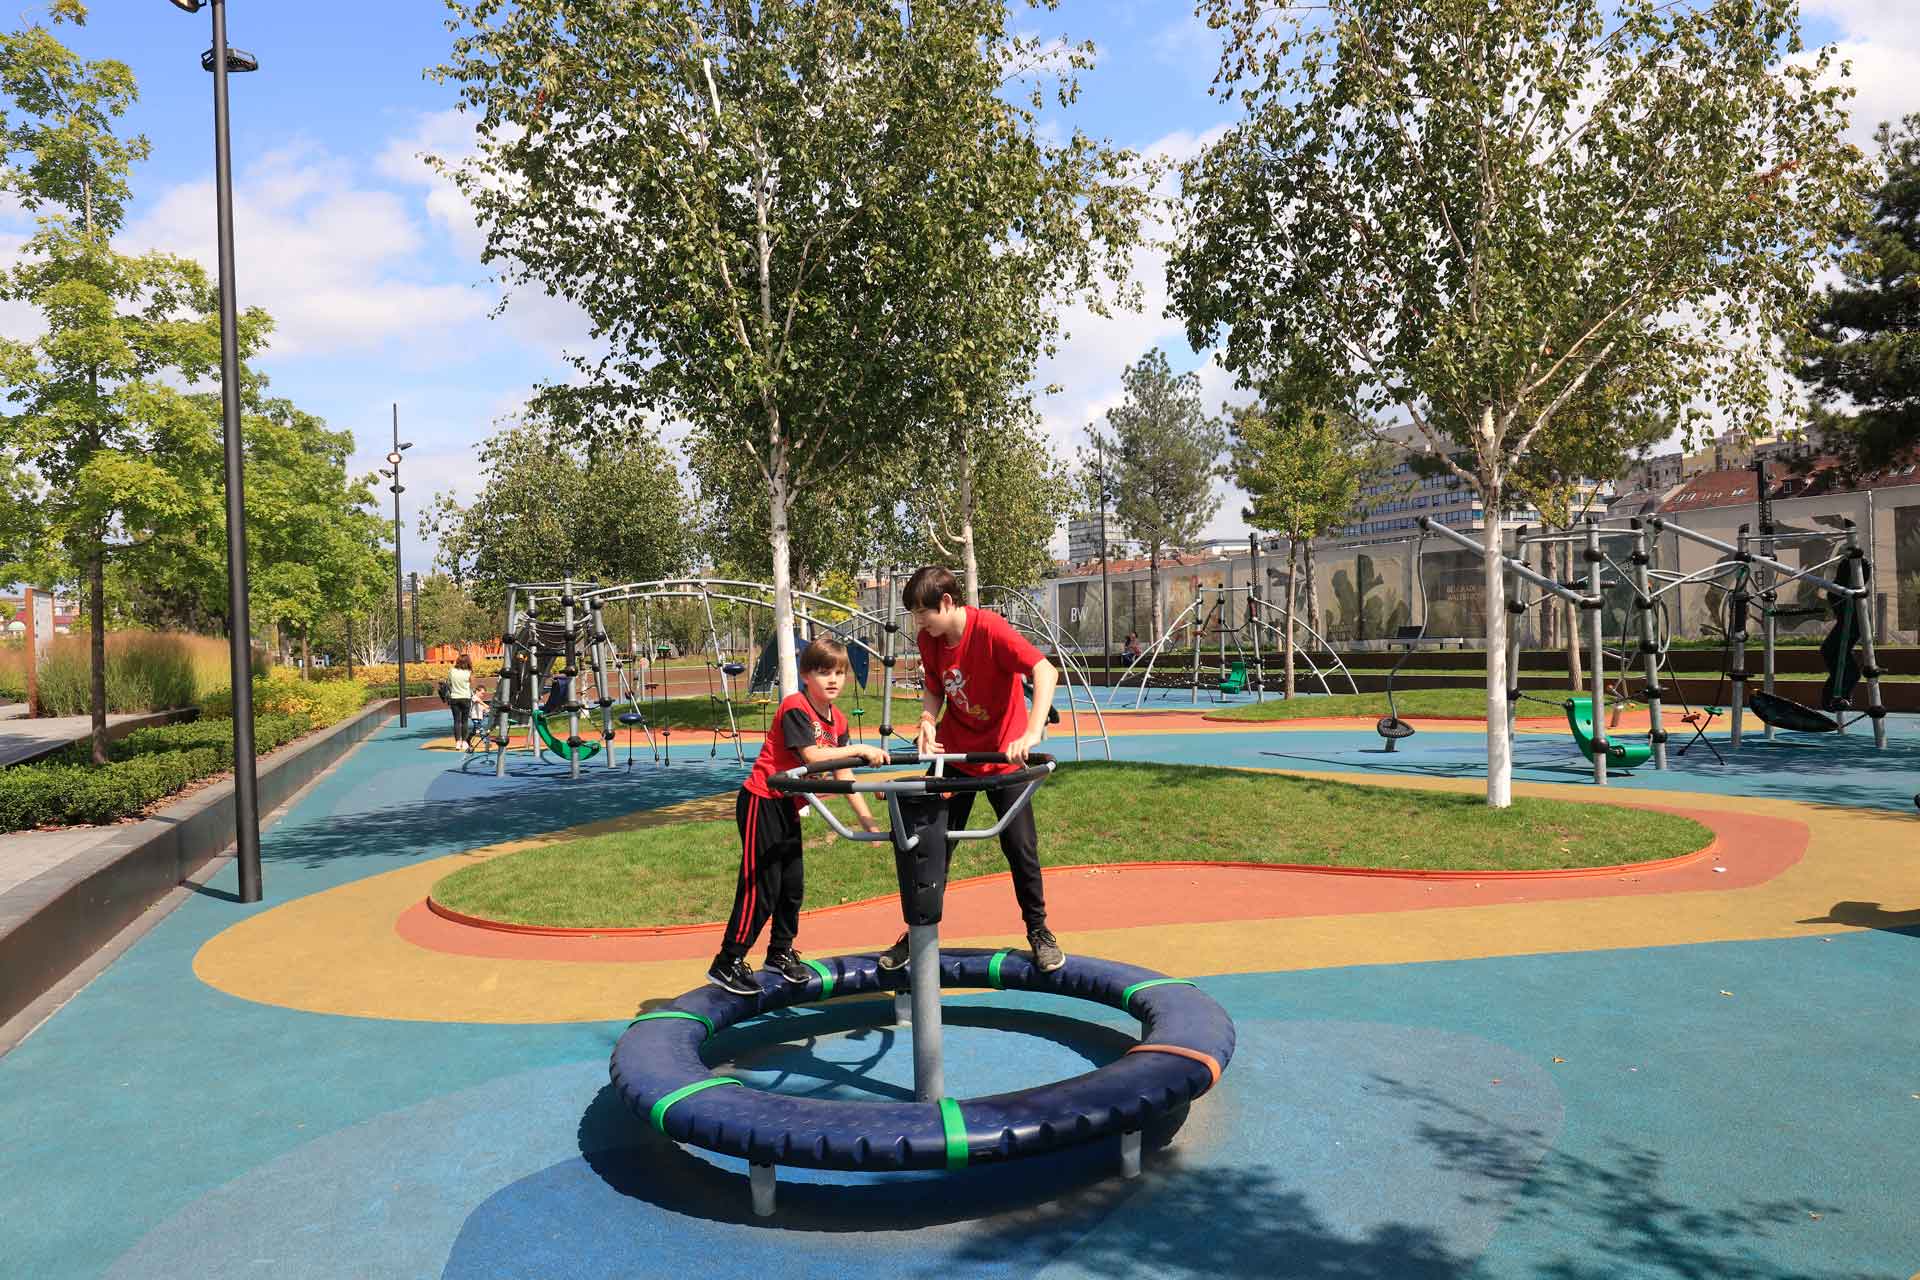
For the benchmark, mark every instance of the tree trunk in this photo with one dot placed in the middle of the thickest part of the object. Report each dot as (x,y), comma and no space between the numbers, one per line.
(97,649)
(1154,610)
(306,651)
(1293,600)
(969,561)
(1549,616)
(1313,589)
(1574,665)
(1499,745)
(782,559)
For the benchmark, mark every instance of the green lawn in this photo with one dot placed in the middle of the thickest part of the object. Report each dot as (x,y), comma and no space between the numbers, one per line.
(684,873)
(1469,703)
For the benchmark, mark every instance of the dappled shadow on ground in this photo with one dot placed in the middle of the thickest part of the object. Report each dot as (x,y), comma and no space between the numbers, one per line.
(1616,1204)
(1871,915)
(433,827)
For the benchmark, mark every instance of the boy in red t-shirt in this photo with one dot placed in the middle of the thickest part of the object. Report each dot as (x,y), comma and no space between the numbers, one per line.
(806,729)
(973,666)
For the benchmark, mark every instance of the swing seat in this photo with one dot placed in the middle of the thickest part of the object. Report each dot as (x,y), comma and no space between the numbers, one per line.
(1580,720)
(632,718)
(1393,729)
(734,668)
(1784,713)
(1236,681)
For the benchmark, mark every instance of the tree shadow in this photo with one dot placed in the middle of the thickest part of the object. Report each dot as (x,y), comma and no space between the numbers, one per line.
(434,827)
(1616,1204)
(1870,915)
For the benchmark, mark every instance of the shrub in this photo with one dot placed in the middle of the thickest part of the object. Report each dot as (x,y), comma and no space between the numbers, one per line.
(146,671)
(321,702)
(382,674)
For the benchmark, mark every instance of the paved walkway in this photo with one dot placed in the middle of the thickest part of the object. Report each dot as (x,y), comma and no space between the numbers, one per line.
(22,738)
(1697,1073)
(26,854)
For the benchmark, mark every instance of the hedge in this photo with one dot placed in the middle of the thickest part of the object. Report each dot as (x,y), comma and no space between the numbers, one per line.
(148,765)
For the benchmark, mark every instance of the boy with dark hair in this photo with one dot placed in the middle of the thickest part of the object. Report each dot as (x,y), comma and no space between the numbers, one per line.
(973,668)
(807,728)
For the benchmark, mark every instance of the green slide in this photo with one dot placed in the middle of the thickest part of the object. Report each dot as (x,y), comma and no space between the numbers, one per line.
(1580,720)
(585,751)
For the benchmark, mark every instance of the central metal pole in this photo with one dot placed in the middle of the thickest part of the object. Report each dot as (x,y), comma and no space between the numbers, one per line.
(923,951)
(246,789)
(1596,640)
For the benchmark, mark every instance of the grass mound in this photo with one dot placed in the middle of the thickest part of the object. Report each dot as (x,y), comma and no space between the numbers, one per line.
(1089,813)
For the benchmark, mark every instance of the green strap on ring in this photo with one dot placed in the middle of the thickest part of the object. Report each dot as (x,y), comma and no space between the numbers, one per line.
(826,977)
(1126,997)
(956,1126)
(993,969)
(659,1113)
(672,1013)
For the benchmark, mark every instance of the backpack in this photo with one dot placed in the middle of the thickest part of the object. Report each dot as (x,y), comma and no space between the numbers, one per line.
(445,690)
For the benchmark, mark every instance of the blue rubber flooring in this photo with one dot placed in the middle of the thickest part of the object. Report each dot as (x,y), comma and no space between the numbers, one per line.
(1598,1114)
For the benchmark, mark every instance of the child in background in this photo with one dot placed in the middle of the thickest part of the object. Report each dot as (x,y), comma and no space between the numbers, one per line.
(807,728)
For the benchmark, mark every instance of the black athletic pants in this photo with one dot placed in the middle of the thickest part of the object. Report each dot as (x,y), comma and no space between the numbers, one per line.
(462,711)
(771,877)
(1020,842)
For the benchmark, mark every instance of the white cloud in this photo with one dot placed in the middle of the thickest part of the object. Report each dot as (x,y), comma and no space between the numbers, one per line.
(1880,39)
(334,262)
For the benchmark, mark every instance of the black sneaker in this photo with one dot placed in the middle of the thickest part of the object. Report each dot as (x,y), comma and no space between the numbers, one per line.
(895,956)
(789,966)
(1047,955)
(733,973)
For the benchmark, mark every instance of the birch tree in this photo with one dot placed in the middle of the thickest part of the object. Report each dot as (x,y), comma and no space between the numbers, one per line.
(765,208)
(1468,212)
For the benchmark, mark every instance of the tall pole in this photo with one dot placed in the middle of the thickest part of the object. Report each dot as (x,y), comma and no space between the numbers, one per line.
(1106,598)
(413,594)
(246,788)
(399,577)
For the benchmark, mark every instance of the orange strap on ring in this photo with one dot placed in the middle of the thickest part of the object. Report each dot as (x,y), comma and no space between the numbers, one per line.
(1181,1051)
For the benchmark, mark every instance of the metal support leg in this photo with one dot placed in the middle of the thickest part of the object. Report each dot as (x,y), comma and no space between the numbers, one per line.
(761,1178)
(1130,1154)
(1596,649)
(1649,642)
(903,1008)
(923,949)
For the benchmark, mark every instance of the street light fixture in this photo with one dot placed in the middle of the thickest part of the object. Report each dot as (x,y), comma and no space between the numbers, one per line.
(246,789)
(399,577)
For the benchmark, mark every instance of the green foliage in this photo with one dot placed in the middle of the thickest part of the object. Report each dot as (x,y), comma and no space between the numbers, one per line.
(804,229)
(1862,354)
(610,512)
(147,766)
(1000,512)
(280,692)
(1302,471)
(145,672)
(1164,454)
(448,615)
(1469,215)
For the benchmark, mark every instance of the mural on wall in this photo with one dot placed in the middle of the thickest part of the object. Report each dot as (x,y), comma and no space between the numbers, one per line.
(1906,567)
(1365,605)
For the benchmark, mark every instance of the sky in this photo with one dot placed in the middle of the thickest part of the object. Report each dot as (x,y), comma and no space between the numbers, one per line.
(370,264)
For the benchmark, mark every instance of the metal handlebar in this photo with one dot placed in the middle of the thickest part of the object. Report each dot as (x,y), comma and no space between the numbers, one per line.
(802,781)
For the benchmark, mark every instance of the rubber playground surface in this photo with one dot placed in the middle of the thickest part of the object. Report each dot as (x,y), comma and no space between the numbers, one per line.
(1704,1069)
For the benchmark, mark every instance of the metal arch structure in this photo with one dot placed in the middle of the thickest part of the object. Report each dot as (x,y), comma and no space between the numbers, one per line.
(1046,631)
(1152,653)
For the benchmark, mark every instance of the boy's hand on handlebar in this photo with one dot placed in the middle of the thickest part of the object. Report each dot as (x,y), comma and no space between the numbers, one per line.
(872,755)
(927,741)
(1018,749)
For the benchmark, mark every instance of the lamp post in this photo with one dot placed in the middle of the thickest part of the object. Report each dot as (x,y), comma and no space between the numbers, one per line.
(1106,599)
(392,472)
(220,60)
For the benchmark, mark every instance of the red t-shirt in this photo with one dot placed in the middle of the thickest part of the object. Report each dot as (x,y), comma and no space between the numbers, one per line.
(981,678)
(796,724)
